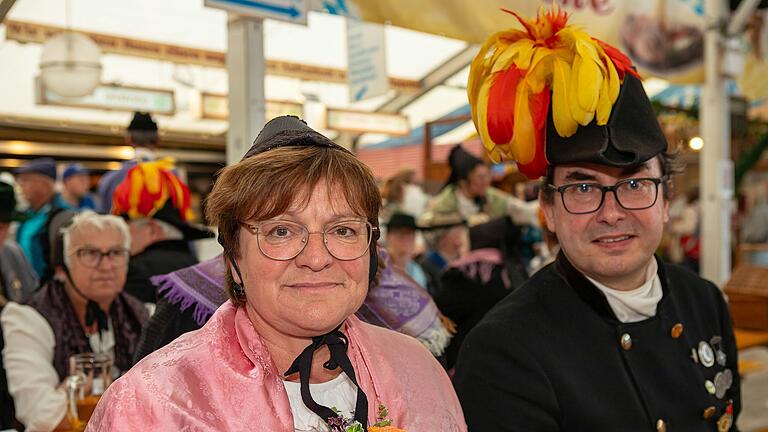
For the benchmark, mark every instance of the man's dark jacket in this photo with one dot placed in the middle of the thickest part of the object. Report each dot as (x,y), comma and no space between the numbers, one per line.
(157,259)
(549,358)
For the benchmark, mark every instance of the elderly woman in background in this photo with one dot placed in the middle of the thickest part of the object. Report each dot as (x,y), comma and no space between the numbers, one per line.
(297,218)
(81,309)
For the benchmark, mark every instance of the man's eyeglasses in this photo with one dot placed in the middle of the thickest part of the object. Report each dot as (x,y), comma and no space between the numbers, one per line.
(631,194)
(91,257)
(283,240)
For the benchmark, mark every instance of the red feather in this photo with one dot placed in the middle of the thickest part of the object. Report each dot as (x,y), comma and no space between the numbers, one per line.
(501,109)
(539,104)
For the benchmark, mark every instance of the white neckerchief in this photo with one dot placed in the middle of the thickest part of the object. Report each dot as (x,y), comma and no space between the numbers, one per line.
(467,207)
(637,304)
(339,393)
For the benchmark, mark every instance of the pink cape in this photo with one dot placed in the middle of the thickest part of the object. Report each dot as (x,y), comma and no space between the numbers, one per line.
(221,378)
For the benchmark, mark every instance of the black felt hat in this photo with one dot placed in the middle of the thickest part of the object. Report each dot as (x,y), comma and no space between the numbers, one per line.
(288,131)
(8,203)
(401,220)
(142,122)
(462,163)
(631,136)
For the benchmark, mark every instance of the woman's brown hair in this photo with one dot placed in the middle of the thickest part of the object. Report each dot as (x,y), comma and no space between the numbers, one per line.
(268,184)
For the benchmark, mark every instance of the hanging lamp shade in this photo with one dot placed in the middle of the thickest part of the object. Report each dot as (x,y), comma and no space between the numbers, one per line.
(70,64)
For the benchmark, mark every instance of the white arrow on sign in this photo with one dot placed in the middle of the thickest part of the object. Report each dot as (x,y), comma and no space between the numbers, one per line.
(294,11)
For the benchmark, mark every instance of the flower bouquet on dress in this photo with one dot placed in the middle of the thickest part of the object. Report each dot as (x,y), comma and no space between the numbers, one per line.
(342,424)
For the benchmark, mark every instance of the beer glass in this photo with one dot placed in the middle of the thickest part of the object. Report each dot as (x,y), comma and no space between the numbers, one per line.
(89,376)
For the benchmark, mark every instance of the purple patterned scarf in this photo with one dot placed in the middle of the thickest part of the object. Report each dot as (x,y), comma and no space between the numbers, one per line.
(201,285)
(397,302)
(128,315)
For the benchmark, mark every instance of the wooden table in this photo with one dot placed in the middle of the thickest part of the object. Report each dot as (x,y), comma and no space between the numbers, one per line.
(750,338)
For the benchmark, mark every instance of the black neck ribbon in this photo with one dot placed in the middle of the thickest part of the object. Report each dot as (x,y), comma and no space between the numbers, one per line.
(337,345)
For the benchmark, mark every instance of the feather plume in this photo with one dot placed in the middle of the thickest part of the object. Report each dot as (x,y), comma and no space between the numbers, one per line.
(519,75)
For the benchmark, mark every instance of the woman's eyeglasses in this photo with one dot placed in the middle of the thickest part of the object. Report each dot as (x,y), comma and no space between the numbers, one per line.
(283,240)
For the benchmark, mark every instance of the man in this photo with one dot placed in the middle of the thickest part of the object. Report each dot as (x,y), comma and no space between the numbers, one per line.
(36,180)
(159,225)
(401,246)
(76,183)
(17,278)
(608,338)
(142,135)
(446,237)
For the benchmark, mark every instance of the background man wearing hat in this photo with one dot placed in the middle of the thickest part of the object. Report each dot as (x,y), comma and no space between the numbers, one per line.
(17,278)
(76,183)
(142,135)
(446,237)
(156,205)
(401,246)
(607,338)
(36,180)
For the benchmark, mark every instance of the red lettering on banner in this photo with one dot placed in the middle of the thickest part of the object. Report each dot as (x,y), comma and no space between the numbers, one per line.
(600,7)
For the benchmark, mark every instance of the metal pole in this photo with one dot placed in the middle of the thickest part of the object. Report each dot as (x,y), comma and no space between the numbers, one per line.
(716,168)
(246,68)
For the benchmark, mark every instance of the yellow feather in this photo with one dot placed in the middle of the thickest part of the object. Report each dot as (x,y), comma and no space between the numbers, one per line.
(540,71)
(590,79)
(604,104)
(524,140)
(525,51)
(561,113)
(578,113)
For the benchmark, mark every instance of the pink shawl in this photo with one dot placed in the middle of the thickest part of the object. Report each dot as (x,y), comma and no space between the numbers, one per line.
(222,378)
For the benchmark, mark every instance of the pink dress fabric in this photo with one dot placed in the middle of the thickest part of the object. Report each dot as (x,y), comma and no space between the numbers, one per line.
(221,378)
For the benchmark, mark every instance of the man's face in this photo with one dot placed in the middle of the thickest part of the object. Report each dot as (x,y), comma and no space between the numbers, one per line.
(77,184)
(401,242)
(612,245)
(35,188)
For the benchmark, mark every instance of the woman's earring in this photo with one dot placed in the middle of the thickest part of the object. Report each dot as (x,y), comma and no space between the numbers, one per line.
(238,289)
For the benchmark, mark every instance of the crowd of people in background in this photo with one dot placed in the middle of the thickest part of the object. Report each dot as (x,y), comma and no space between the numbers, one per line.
(126,280)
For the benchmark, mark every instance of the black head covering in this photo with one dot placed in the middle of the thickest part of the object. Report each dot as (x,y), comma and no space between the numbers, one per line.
(8,211)
(142,122)
(631,136)
(171,215)
(401,220)
(290,131)
(462,163)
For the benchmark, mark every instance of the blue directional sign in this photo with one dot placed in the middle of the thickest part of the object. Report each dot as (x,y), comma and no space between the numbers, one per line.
(294,11)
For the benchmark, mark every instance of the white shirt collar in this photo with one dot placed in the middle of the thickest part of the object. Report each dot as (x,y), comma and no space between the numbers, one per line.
(637,304)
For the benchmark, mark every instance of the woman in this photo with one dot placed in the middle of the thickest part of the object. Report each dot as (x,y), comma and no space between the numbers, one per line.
(468,190)
(81,309)
(297,217)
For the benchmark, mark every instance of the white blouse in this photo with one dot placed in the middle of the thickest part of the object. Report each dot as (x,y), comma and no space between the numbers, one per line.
(33,382)
(339,393)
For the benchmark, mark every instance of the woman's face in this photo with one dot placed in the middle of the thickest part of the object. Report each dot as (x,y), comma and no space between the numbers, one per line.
(314,292)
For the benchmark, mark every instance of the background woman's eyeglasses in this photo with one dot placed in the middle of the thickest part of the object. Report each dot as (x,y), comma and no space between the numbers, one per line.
(631,194)
(283,240)
(91,257)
